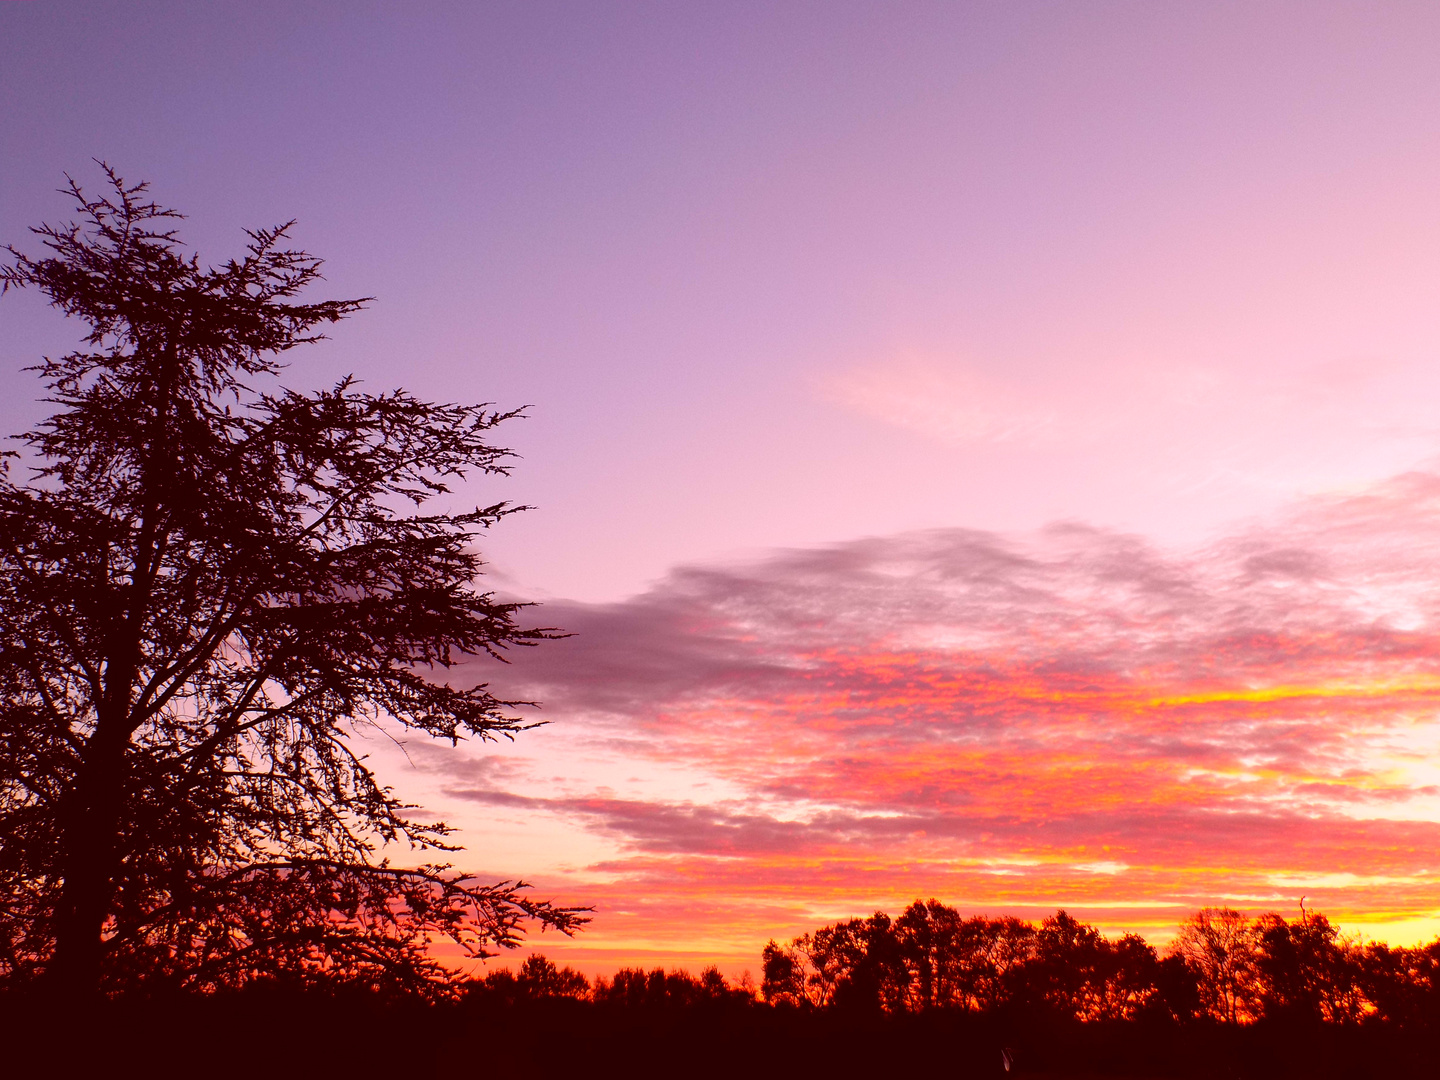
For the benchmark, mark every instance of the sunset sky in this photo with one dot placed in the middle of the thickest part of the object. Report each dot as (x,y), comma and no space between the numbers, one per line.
(987,451)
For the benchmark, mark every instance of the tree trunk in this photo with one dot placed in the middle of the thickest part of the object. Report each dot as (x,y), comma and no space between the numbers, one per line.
(92,826)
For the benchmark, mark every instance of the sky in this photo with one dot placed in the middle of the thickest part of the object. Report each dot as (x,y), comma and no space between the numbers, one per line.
(987,451)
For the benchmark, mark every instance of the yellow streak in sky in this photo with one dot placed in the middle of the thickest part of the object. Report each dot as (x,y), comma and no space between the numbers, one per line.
(1415,685)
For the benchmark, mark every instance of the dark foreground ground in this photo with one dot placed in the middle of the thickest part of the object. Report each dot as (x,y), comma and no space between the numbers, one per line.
(281,1035)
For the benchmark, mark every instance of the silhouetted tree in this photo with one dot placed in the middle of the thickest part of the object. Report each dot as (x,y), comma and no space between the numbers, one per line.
(783,976)
(1307,970)
(856,963)
(1401,984)
(1177,989)
(808,970)
(659,989)
(1130,979)
(997,954)
(1077,971)
(929,936)
(541,978)
(1219,946)
(207,587)
(1066,970)
(538,978)
(876,975)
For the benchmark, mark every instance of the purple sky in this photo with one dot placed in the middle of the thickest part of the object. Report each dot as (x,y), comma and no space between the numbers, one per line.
(780,274)
(787,276)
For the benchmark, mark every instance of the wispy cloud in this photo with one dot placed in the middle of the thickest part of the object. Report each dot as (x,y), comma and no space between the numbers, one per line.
(945,402)
(1198,424)
(1011,723)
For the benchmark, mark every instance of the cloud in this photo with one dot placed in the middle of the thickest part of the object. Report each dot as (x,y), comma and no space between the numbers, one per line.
(956,399)
(990,719)
(948,403)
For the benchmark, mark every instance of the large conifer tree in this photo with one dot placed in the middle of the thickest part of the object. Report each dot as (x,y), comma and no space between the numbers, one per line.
(207,584)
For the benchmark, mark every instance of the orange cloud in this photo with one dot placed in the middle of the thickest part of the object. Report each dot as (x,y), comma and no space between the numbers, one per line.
(1076,720)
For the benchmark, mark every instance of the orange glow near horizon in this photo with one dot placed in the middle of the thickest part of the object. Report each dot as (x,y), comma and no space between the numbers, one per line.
(832,735)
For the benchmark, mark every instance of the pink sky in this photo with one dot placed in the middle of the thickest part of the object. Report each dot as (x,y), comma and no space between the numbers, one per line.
(985,450)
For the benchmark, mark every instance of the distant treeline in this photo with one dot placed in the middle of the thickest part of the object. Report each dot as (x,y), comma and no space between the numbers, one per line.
(1221,967)
(929,993)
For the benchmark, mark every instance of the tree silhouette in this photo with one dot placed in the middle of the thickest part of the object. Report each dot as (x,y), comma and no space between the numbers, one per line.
(928,936)
(210,584)
(536,978)
(1218,944)
(1305,969)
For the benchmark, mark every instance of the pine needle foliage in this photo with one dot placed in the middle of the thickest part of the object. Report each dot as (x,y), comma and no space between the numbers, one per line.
(209,586)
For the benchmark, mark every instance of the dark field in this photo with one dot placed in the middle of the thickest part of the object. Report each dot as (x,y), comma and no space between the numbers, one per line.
(279,1034)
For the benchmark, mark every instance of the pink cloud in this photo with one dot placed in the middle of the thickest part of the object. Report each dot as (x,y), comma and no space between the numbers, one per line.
(1073,718)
